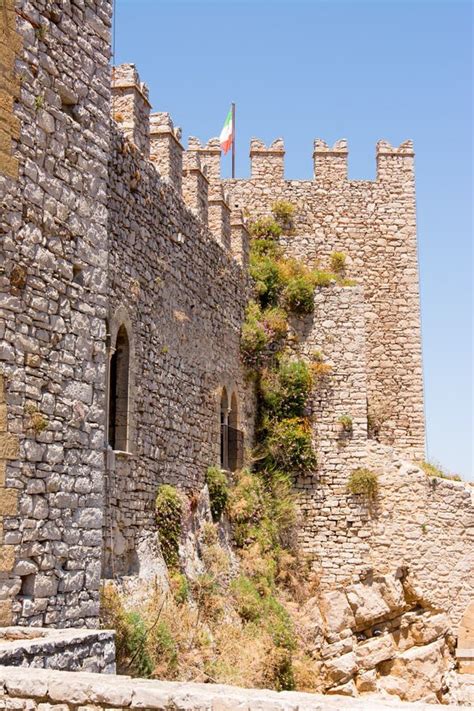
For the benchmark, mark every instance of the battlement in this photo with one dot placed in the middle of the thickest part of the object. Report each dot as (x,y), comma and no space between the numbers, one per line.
(158,139)
(131,106)
(166,151)
(267,163)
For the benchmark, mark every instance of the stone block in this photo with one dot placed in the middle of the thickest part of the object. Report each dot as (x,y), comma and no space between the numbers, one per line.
(7,558)
(336,611)
(5,613)
(8,502)
(9,446)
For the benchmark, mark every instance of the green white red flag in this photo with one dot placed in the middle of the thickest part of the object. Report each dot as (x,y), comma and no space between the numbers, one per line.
(227,133)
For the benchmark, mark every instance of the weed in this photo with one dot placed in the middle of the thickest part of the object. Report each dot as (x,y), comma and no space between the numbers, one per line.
(436,470)
(363,482)
(218,486)
(337,262)
(346,424)
(168,511)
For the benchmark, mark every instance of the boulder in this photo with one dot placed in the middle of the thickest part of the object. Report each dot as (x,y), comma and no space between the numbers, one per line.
(336,611)
(419,669)
(341,669)
(374,651)
(376,598)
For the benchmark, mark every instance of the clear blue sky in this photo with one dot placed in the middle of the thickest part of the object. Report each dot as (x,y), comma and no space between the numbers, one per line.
(332,69)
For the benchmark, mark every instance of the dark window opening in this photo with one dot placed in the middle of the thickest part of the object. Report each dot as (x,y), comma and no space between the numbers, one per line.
(231,437)
(118,392)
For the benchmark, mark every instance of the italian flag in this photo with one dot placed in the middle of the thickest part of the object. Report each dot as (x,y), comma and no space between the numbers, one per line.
(227,133)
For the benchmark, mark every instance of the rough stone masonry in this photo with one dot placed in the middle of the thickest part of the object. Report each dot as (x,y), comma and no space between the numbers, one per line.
(124,282)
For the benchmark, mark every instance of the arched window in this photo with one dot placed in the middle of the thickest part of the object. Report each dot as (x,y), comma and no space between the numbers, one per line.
(231,436)
(119,392)
(224,422)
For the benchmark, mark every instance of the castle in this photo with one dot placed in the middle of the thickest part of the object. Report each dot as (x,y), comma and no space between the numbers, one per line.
(124,284)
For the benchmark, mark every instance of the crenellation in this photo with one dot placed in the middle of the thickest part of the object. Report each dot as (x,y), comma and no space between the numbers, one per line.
(210,155)
(166,151)
(267,163)
(195,185)
(131,106)
(396,164)
(239,238)
(219,215)
(330,164)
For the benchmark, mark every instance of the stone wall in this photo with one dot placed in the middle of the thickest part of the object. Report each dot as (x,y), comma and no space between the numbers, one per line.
(181,294)
(426,523)
(42,690)
(66,650)
(374,224)
(332,519)
(53,286)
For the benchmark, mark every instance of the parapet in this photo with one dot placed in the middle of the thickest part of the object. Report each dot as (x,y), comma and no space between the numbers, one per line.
(395,163)
(195,185)
(210,154)
(330,163)
(239,238)
(267,163)
(166,151)
(130,106)
(219,215)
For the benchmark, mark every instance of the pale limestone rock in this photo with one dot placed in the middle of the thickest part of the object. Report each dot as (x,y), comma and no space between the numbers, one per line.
(336,611)
(376,650)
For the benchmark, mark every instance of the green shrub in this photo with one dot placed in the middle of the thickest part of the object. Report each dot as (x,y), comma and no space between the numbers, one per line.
(285,390)
(168,511)
(140,663)
(364,482)
(436,470)
(265,228)
(279,624)
(218,486)
(248,602)
(275,321)
(254,338)
(283,212)
(262,331)
(266,273)
(282,677)
(163,646)
(337,262)
(321,278)
(260,247)
(179,587)
(346,424)
(289,446)
(299,294)
(246,498)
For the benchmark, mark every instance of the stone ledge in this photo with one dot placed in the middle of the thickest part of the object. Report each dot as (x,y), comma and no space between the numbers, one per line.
(122,692)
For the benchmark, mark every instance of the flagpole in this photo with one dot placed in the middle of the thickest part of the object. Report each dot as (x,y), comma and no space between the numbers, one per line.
(233,140)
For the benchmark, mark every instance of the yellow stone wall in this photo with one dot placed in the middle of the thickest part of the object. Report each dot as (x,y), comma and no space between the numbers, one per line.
(9,449)
(10,44)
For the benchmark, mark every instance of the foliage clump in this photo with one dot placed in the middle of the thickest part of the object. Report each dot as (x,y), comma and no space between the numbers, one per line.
(286,388)
(337,262)
(289,446)
(346,424)
(283,212)
(218,485)
(436,470)
(363,482)
(168,512)
(37,421)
